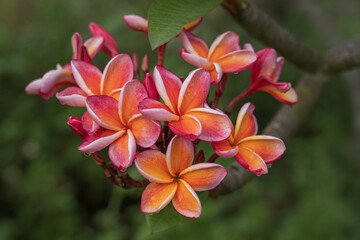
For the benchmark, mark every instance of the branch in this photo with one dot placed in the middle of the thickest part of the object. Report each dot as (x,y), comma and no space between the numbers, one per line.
(344,57)
(266,30)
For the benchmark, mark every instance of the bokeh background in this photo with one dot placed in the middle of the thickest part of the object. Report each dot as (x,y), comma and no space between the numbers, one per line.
(50,190)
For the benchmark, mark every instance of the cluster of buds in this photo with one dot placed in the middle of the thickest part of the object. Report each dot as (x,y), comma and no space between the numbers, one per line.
(158,122)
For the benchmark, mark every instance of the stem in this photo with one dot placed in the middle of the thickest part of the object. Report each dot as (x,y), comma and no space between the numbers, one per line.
(212,158)
(160,54)
(102,163)
(165,135)
(219,91)
(237,99)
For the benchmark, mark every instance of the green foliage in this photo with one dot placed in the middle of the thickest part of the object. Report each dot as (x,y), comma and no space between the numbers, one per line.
(167,17)
(164,220)
(169,218)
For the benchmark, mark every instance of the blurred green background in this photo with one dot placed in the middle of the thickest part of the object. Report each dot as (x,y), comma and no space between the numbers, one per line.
(50,190)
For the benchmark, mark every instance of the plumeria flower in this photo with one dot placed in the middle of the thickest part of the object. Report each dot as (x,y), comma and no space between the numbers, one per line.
(173,178)
(140,24)
(265,73)
(62,76)
(184,106)
(252,151)
(123,127)
(224,55)
(90,81)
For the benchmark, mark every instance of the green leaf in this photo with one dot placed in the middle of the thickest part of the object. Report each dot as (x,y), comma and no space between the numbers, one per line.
(167,17)
(165,219)
(168,217)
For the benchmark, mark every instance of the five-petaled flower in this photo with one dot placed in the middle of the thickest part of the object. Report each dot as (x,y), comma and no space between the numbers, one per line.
(265,73)
(252,152)
(184,106)
(224,55)
(62,76)
(174,178)
(90,81)
(123,127)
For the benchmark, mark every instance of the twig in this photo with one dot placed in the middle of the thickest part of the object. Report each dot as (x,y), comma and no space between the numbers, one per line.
(268,31)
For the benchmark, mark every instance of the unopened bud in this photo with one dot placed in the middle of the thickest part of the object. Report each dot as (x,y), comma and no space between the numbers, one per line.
(76,125)
(136,23)
(136,64)
(200,157)
(145,64)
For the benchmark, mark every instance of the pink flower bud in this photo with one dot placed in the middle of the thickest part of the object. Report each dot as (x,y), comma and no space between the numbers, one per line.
(76,125)
(136,23)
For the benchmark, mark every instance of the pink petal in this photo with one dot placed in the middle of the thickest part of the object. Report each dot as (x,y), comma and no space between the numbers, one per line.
(87,77)
(136,23)
(289,97)
(267,147)
(104,111)
(145,131)
(109,46)
(251,161)
(279,64)
(236,61)
(33,87)
(72,96)
(85,55)
(156,196)
(168,86)
(216,126)
(223,44)
(179,155)
(246,124)
(53,80)
(122,151)
(76,42)
(130,97)
(89,125)
(93,45)
(116,73)
(193,44)
(185,201)
(203,176)
(76,125)
(216,74)
(187,126)
(150,87)
(156,110)
(194,91)
(195,59)
(265,81)
(265,64)
(248,46)
(145,162)
(224,149)
(99,140)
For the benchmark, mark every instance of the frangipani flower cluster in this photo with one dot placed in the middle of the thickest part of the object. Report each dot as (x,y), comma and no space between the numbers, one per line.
(156,119)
